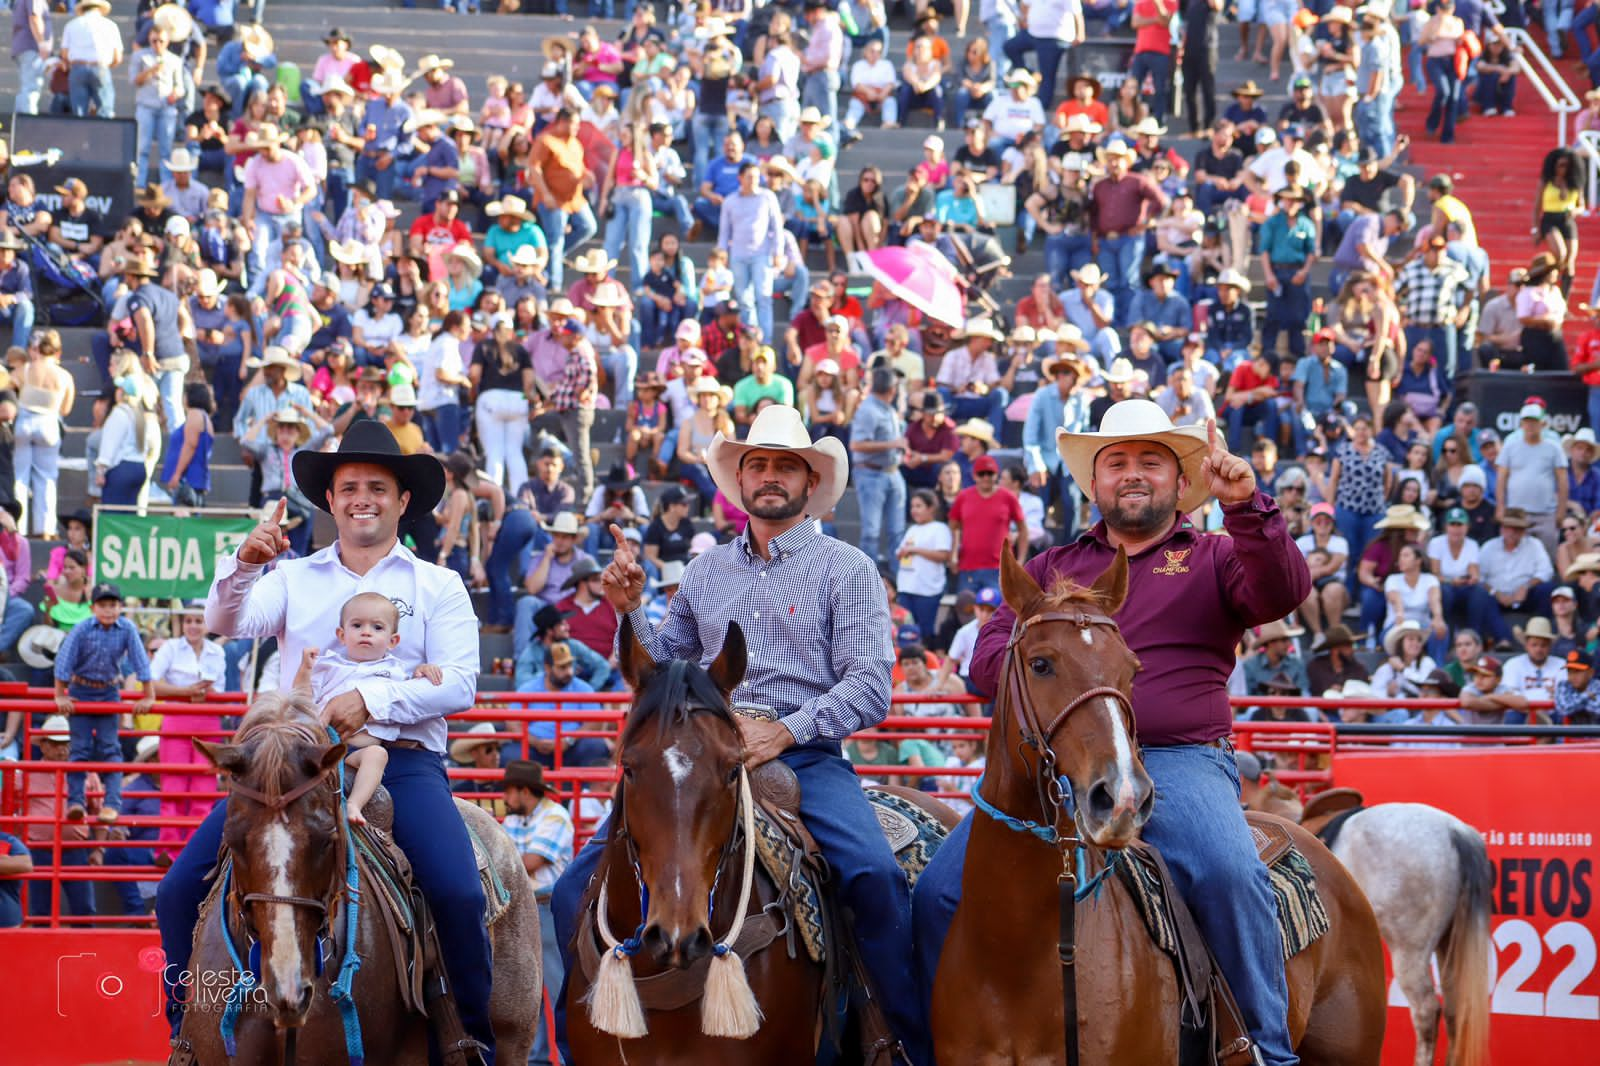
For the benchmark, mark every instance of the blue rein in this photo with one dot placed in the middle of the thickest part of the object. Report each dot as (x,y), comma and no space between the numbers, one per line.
(342,991)
(1087,885)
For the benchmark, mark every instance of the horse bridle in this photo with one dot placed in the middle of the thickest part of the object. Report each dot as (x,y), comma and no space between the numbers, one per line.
(1055,793)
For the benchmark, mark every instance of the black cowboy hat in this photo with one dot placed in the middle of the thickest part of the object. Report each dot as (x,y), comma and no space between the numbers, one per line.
(524,773)
(617,477)
(371,442)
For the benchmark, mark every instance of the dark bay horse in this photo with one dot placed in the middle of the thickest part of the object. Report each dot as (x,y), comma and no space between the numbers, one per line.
(1068,679)
(286,892)
(672,871)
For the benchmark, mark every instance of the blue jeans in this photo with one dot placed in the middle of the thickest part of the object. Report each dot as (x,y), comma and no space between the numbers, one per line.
(517,528)
(441,427)
(1496,95)
(931,101)
(1356,528)
(92,86)
(1198,828)
(1446,86)
(991,406)
(675,205)
(21,316)
(18,617)
(1557,19)
(266,251)
(1064,253)
(160,123)
(961,101)
(94,739)
(123,483)
(554,222)
(974,580)
(1375,121)
(367,170)
(432,835)
(1262,416)
(752,287)
(628,229)
(1287,311)
(657,327)
(77,896)
(1120,260)
(924,611)
(820,89)
(621,365)
(1048,51)
(1157,67)
(1373,609)
(554,975)
(1000,28)
(882,497)
(706,131)
(866,881)
(245,83)
(30,82)
(785,114)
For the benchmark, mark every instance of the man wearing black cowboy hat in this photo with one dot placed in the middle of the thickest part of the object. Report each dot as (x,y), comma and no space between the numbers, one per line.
(368,487)
(930,441)
(549,627)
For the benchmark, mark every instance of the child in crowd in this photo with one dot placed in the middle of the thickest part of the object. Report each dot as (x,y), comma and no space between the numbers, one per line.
(369,631)
(495,117)
(717,284)
(647,419)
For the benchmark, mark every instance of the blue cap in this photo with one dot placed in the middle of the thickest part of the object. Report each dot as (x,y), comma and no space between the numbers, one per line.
(907,634)
(988,597)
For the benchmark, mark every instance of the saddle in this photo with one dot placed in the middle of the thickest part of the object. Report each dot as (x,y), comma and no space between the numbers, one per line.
(1208,1006)
(1326,812)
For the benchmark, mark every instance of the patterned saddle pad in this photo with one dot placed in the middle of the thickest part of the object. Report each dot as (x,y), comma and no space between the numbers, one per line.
(913,835)
(1301,916)
(380,816)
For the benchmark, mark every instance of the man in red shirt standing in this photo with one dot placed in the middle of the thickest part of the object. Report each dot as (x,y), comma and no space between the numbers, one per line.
(1252,400)
(981,519)
(1145,476)
(1152,52)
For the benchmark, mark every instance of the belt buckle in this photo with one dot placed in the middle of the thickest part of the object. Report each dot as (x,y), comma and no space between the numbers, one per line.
(758,711)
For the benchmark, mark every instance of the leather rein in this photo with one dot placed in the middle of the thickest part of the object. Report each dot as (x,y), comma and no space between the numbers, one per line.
(1055,796)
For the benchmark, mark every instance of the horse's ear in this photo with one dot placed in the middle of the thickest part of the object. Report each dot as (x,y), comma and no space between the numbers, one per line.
(1112,586)
(319,761)
(229,758)
(636,662)
(727,669)
(1018,587)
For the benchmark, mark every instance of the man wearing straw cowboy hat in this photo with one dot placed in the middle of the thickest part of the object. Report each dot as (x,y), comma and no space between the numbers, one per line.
(382,128)
(1145,475)
(1121,206)
(278,184)
(817,627)
(369,488)
(91,45)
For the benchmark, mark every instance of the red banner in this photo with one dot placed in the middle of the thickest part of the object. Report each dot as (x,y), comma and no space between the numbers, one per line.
(76,996)
(1539,811)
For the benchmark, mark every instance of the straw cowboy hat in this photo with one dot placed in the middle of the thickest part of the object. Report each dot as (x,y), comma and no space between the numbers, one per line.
(1082,123)
(388,83)
(812,116)
(176,21)
(594,261)
(371,442)
(515,206)
(207,283)
(38,646)
(714,27)
(1065,361)
(1249,88)
(702,386)
(254,40)
(980,327)
(1587,563)
(1139,420)
(479,735)
(350,253)
(780,428)
(387,58)
(526,255)
(1089,274)
(608,294)
(1402,516)
(1392,639)
(1538,629)
(468,255)
(565,522)
(978,429)
(1065,334)
(288,416)
(1148,127)
(430,63)
(555,49)
(182,160)
(84,6)
(1234,279)
(561,307)
(272,355)
(335,84)
(426,117)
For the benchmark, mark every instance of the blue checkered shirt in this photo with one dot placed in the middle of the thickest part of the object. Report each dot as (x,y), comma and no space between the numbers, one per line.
(547,833)
(94,652)
(815,621)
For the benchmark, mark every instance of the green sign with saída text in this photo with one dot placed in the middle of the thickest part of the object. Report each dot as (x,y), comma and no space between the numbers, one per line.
(164,556)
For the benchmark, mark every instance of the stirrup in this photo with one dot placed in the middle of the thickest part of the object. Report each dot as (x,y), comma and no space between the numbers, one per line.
(466,1052)
(182,1053)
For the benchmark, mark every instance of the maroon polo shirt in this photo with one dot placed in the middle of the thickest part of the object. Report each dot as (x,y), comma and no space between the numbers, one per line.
(1190,599)
(596,627)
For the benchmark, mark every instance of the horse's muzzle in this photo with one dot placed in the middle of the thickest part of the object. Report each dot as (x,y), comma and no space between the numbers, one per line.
(1116,809)
(293,1015)
(679,952)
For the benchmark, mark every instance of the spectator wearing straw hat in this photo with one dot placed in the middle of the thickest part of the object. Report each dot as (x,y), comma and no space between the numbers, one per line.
(91,44)
(248,64)
(382,129)
(1517,572)
(1122,205)
(1275,655)
(969,378)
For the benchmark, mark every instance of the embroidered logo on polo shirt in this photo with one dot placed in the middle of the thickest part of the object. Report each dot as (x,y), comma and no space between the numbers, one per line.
(403,609)
(1174,563)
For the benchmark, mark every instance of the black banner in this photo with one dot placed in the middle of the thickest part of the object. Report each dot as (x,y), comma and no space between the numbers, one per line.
(1500,395)
(99,151)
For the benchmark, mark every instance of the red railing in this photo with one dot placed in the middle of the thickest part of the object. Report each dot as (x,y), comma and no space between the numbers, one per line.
(1303,756)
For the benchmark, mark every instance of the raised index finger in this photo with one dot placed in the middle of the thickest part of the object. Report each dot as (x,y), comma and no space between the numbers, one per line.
(622,541)
(1211,434)
(283,507)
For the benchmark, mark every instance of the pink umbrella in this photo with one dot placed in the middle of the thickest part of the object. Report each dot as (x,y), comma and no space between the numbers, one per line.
(921,277)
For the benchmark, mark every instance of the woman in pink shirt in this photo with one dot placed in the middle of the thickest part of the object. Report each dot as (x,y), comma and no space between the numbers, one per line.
(336,62)
(597,62)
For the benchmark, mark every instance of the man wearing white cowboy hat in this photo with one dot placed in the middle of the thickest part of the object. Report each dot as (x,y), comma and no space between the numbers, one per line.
(1089,305)
(1123,206)
(369,488)
(514,228)
(1014,114)
(969,378)
(1065,405)
(816,627)
(1144,475)
(189,197)
(91,44)
(383,130)
(247,64)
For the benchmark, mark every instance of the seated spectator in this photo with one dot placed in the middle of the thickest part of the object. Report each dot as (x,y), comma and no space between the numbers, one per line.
(1275,654)
(1500,330)
(922,83)
(546,570)
(590,616)
(1327,555)
(1517,573)
(1572,630)
(479,750)
(559,675)
(1408,664)
(1534,673)
(1280,684)
(1016,113)
(1577,698)
(930,441)
(1412,593)
(1165,310)
(1487,700)
(1438,685)
(969,376)
(550,628)
(1398,527)
(1353,713)
(1336,663)
(1252,400)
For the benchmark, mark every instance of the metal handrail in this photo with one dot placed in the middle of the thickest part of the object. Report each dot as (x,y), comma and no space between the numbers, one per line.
(1547,81)
(1589,148)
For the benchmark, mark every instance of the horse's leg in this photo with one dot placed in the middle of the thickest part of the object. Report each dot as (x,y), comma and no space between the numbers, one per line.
(1414,973)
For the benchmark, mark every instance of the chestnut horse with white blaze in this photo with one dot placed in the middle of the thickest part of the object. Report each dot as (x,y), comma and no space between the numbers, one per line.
(1066,684)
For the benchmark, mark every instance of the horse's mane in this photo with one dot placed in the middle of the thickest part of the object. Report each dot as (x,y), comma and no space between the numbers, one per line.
(670,695)
(1065,593)
(275,728)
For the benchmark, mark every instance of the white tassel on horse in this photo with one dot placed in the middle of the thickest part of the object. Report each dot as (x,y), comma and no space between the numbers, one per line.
(727,1006)
(614,1005)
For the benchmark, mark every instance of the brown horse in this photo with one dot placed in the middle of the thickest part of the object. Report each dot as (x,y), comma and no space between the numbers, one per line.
(1068,653)
(671,874)
(286,889)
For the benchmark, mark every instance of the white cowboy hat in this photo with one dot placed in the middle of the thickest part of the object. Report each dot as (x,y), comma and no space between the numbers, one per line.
(37,647)
(565,522)
(146,749)
(351,252)
(479,735)
(388,83)
(387,58)
(431,62)
(335,84)
(104,6)
(1587,563)
(182,159)
(254,40)
(1148,127)
(714,27)
(1391,639)
(1138,420)
(515,206)
(525,255)
(273,355)
(813,116)
(468,255)
(1120,372)
(1082,123)
(175,20)
(1089,274)
(780,428)
(1066,335)
(608,294)
(207,283)
(426,117)
(564,308)
(56,727)
(980,327)
(1539,628)
(1236,280)
(1402,516)
(978,429)
(594,261)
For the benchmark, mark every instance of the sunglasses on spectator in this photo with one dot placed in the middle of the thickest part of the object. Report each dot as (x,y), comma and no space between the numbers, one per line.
(987,473)
(1570,529)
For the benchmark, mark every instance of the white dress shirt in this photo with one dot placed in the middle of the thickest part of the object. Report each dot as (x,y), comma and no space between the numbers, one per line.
(177,663)
(335,673)
(437,625)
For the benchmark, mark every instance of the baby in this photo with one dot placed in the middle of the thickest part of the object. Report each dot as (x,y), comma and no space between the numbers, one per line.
(369,630)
